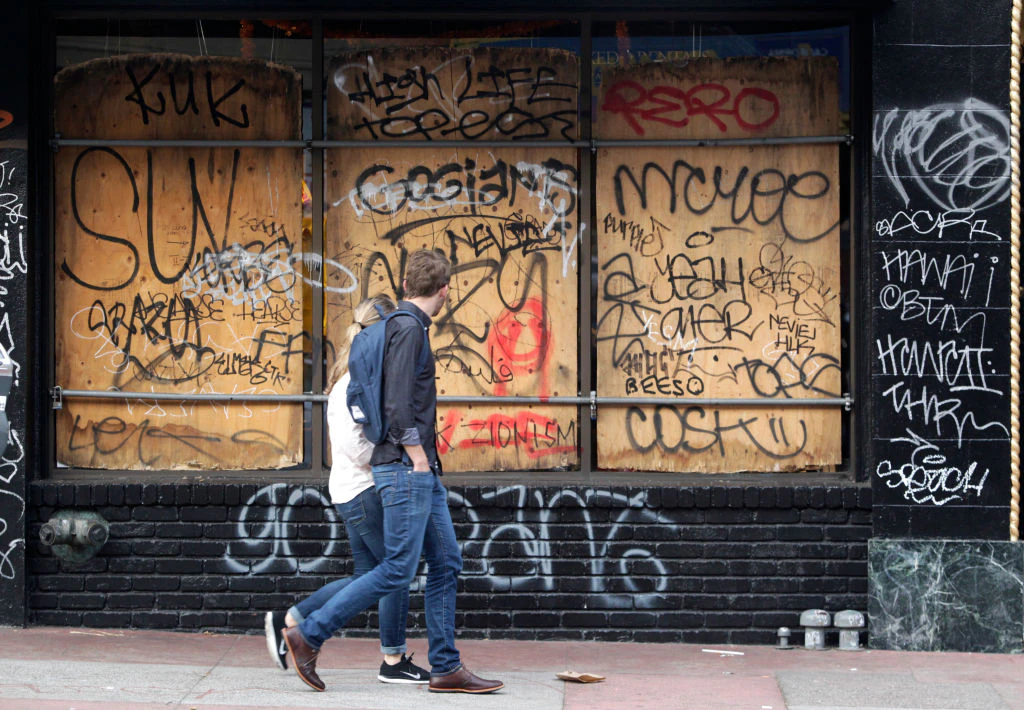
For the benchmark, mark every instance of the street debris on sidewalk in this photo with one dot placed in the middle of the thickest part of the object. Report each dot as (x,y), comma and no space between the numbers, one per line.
(580,677)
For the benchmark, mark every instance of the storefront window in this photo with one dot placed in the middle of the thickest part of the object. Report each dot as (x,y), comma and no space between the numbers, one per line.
(211,237)
(719,264)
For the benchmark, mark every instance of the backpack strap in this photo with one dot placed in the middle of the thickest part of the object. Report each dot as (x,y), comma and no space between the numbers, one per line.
(424,351)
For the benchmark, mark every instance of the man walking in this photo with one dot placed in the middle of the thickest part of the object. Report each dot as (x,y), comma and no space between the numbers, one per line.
(406,472)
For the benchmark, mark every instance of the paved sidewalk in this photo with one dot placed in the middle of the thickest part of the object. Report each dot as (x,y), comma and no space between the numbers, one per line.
(47,668)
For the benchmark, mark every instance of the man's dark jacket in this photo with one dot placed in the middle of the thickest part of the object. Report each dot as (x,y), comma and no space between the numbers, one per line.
(410,397)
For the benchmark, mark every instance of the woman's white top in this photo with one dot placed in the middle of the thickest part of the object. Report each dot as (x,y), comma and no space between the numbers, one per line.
(350,450)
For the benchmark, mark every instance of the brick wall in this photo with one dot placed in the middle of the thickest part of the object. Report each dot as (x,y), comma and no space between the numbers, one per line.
(702,565)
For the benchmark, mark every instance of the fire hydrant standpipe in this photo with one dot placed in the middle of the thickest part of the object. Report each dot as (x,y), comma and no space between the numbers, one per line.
(74,536)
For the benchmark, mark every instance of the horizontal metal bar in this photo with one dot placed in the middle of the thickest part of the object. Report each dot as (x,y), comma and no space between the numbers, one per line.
(846,402)
(450,144)
(511,399)
(57,142)
(593,144)
(58,393)
(733,401)
(406,11)
(177,143)
(699,142)
(68,10)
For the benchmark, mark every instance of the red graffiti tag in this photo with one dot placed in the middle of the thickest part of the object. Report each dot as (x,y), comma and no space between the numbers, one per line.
(520,343)
(672,106)
(533,434)
(6,119)
(446,431)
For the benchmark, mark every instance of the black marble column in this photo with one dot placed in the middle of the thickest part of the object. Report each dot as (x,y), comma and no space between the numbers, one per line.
(946,595)
(942,572)
(940,269)
(14,246)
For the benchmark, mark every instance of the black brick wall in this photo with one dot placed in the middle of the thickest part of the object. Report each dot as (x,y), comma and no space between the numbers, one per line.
(700,565)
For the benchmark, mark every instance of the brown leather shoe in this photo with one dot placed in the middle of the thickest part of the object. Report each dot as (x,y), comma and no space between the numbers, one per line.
(463,681)
(303,658)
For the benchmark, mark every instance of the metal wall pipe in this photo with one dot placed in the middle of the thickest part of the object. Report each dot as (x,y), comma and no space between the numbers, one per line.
(58,142)
(58,394)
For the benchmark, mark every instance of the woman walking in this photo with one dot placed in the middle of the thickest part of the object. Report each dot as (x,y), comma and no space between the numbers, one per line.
(355,498)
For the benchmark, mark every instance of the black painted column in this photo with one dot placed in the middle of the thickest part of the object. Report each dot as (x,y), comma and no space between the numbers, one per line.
(943,575)
(14,226)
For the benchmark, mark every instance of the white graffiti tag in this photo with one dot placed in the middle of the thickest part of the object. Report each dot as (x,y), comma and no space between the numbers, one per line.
(929,478)
(13,268)
(264,531)
(958,154)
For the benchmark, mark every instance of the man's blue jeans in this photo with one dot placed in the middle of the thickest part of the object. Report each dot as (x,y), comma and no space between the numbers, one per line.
(364,522)
(416,521)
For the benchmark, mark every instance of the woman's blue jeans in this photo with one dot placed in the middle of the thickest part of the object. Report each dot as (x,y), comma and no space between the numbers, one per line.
(364,522)
(416,521)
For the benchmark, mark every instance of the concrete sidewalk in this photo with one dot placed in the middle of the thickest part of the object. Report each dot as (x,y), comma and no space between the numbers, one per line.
(45,668)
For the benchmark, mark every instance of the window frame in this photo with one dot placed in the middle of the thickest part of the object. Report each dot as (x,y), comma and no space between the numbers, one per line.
(854,160)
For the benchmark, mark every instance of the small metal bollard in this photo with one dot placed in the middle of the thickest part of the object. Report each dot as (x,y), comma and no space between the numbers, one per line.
(849,623)
(783,634)
(814,622)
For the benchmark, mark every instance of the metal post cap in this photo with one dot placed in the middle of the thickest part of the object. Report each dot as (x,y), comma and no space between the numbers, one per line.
(849,619)
(815,617)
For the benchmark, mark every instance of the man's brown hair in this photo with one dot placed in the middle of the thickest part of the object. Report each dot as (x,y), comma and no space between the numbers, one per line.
(426,272)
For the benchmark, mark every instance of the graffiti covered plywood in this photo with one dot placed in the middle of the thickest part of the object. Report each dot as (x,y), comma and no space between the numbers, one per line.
(719,278)
(509,327)
(507,218)
(488,94)
(178,269)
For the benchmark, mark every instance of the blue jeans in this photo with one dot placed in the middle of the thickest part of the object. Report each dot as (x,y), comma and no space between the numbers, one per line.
(364,522)
(416,521)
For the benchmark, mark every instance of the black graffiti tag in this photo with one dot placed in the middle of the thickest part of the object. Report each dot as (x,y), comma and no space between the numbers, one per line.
(670,429)
(87,163)
(766,197)
(152,102)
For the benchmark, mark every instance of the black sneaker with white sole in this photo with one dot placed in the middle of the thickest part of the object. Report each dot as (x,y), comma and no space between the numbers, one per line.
(273,629)
(405,671)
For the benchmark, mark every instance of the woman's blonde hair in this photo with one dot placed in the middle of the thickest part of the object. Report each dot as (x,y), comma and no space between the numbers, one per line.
(363,315)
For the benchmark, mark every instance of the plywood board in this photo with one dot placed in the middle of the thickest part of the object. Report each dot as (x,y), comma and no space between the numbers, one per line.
(718,277)
(178,270)
(488,94)
(508,219)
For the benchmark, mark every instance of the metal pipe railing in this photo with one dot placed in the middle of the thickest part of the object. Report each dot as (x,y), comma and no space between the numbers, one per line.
(58,142)
(58,395)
